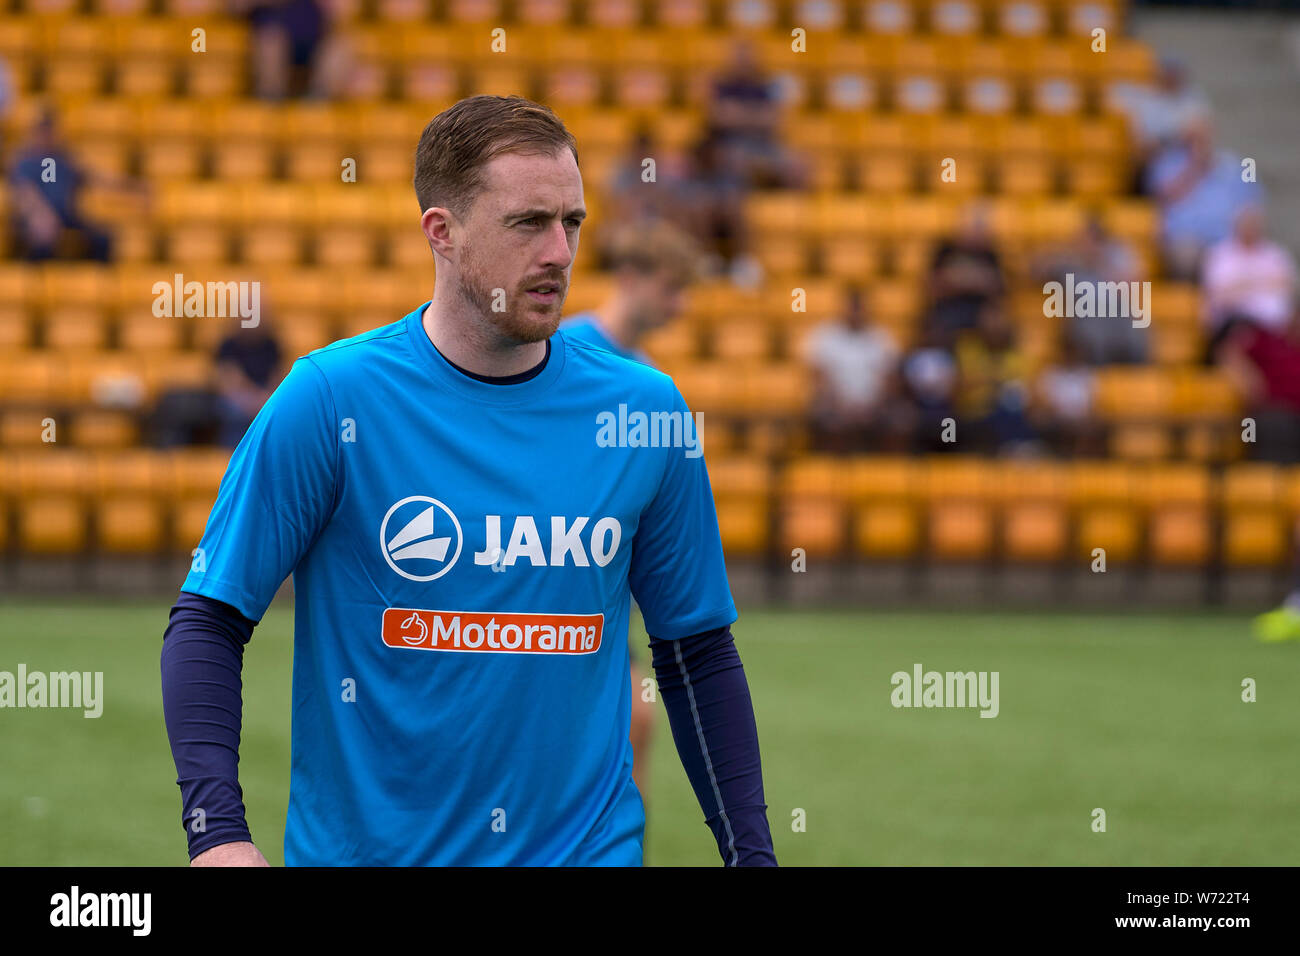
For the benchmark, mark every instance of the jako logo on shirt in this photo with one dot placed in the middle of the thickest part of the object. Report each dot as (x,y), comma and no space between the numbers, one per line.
(421,538)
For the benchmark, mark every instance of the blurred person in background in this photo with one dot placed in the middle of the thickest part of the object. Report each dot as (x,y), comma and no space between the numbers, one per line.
(653,264)
(993,386)
(48,184)
(715,196)
(295,50)
(855,405)
(1159,113)
(248,365)
(632,198)
(965,274)
(744,116)
(929,379)
(1095,256)
(1200,191)
(1063,409)
(8,95)
(1264,365)
(1249,277)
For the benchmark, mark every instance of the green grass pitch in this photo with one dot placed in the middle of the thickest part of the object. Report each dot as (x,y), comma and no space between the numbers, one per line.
(1138,714)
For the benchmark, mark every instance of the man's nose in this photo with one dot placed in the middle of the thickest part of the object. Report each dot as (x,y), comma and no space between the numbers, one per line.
(556,252)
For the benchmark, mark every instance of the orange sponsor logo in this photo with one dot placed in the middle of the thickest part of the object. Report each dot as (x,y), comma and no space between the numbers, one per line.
(494,632)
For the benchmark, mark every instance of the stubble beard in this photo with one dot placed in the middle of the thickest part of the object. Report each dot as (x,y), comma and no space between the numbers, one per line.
(523,321)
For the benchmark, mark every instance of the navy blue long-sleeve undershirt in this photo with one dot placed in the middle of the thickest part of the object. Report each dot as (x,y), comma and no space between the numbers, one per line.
(701,681)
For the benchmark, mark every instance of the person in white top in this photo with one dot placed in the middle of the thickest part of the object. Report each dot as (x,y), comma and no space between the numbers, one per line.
(1248,276)
(855,366)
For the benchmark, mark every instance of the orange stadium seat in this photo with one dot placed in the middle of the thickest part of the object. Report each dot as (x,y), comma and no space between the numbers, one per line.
(816,526)
(960,530)
(102,428)
(1255,539)
(1180,536)
(887,529)
(52,525)
(128,525)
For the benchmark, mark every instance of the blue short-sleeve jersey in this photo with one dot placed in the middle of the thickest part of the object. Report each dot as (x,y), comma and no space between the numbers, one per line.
(463,558)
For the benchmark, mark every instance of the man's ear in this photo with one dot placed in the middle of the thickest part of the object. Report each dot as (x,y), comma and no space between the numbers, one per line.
(438,224)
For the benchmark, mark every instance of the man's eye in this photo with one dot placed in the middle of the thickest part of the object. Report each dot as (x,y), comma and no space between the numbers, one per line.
(573,223)
(529,221)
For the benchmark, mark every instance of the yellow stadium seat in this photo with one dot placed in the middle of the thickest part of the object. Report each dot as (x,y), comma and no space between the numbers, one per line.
(103,428)
(25,428)
(1255,539)
(75,76)
(271,245)
(1137,221)
(745,340)
(816,526)
(1031,175)
(144,77)
(30,376)
(1141,441)
(851,259)
(1100,482)
(162,371)
(960,530)
(189,519)
(774,390)
(743,527)
(129,525)
(1134,394)
(674,342)
(136,472)
(1112,528)
(949,478)
(242,161)
(1035,531)
(1253,485)
(887,529)
(52,525)
(213,77)
(15,327)
(816,477)
(76,327)
(1180,536)
(196,472)
(171,160)
(67,284)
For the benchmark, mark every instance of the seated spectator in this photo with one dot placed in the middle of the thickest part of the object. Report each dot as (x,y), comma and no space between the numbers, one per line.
(1248,277)
(929,380)
(1200,190)
(632,198)
(1158,114)
(248,368)
(48,183)
(744,116)
(965,274)
(992,395)
(1063,410)
(855,401)
(295,52)
(715,197)
(1264,364)
(1095,257)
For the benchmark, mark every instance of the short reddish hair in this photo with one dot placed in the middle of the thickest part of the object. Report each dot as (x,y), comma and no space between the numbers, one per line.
(459,142)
